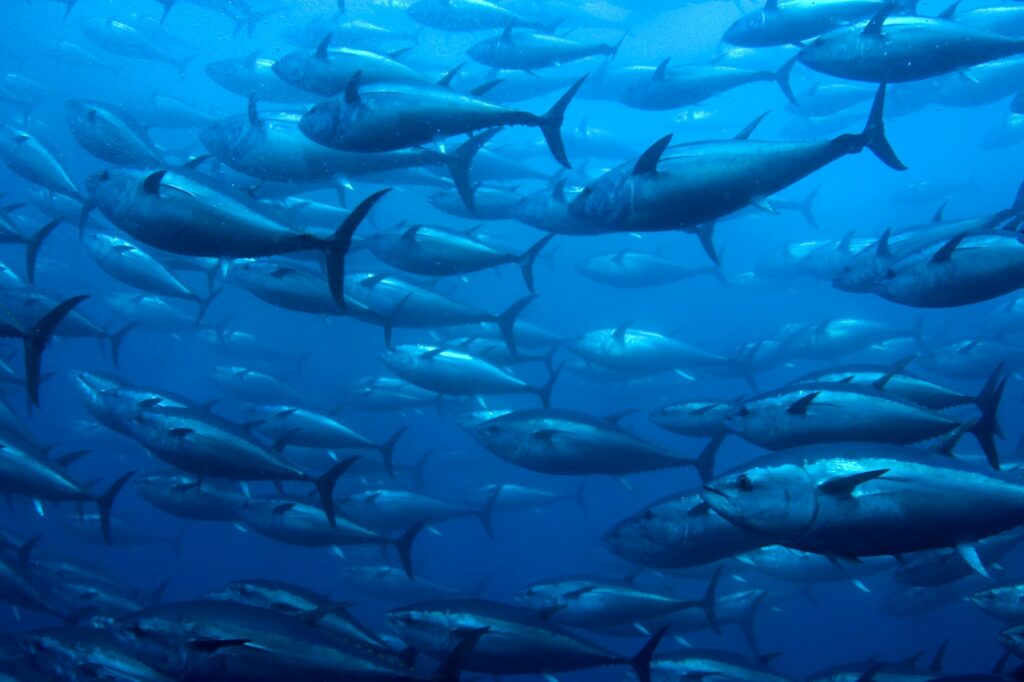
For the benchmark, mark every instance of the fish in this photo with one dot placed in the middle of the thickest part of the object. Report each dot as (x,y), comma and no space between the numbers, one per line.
(671,187)
(836,501)
(110,134)
(364,119)
(812,413)
(177,213)
(526,51)
(899,49)
(563,442)
(520,642)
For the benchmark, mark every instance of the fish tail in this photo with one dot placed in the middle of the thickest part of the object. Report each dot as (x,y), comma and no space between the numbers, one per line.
(782,78)
(32,246)
(551,123)
(642,661)
(387,450)
(486,513)
(459,162)
(987,427)
(873,136)
(325,485)
(338,245)
(506,322)
(35,341)
(403,545)
(106,501)
(116,340)
(529,257)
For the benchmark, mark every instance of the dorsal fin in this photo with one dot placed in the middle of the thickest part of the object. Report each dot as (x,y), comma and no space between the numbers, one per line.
(874,27)
(282,508)
(751,127)
(950,11)
(401,52)
(410,234)
(446,80)
(844,243)
(882,248)
(432,353)
(254,113)
(352,89)
(946,252)
(506,35)
(844,485)
(800,405)
(481,90)
(937,217)
(151,185)
(558,191)
(648,161)
(659,73)
(620,332)
(321,49)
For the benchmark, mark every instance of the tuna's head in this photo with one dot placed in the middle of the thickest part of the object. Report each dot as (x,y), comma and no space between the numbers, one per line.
(831,48)
(398,360)
(223,72)
(225,139)
(607,200)
(747,30)
(498,438)
(767,420)
(159,640)
(1013,639)
(423,629)
(777,500)
(537,597)
(859,275)
(296,69)
(997,599)
(631,539)
(114,190)
(81,114)
(326,122)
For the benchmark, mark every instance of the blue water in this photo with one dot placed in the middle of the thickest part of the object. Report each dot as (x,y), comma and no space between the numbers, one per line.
(937,143)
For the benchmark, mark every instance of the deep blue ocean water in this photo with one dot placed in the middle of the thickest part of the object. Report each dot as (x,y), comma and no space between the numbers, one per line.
(857,194)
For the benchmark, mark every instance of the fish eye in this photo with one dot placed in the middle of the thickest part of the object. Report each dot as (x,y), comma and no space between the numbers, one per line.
(647,515)
(744,483)
(890,273)
(743,411)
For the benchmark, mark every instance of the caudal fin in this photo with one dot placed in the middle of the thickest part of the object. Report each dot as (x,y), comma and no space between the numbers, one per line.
(506,321)
(403,545)
(873,136)
(35,340)
(387,450)
(528,258)
(544,392)
(337,247)
(705,461)
(451,667)
(205,303)
(782,78)
(642,661)
(32,246)
(106,501)
(486,513)
(551,124)
(460,161)
(325,485)
(117,339)
(987,427)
